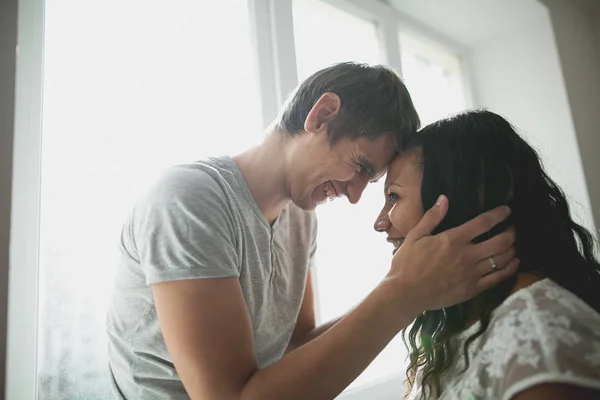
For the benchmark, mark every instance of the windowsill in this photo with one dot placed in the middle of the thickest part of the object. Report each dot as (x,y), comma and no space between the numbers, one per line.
(391,387)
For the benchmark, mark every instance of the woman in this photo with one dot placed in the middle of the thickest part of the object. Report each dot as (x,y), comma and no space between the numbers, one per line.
(536,336)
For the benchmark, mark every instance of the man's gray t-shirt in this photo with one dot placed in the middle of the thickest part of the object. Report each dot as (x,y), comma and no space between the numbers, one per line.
(201,221)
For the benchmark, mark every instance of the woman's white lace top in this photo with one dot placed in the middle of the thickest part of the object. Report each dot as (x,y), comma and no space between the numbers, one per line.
(540,334)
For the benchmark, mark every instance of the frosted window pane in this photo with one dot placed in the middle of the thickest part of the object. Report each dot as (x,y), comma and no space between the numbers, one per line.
(130,87)
(326,35)
(433,77)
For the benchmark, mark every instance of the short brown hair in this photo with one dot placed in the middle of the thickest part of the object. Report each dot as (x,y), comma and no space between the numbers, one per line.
(374,102)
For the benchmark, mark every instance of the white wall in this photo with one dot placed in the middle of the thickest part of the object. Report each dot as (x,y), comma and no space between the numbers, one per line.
(576,27)
(549,87)
(519,76)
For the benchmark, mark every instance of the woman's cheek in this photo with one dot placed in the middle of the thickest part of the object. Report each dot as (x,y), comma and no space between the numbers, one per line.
(396,216)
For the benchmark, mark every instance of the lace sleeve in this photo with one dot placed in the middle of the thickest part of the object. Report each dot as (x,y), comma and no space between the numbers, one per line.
(549,336)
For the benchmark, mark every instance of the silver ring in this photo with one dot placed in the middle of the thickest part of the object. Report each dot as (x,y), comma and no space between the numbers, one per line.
(493,263)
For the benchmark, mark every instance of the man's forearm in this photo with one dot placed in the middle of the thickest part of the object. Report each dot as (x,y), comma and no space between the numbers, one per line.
(324,366)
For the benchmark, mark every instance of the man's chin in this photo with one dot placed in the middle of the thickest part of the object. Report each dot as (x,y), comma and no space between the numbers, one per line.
(307,204)
(310,206)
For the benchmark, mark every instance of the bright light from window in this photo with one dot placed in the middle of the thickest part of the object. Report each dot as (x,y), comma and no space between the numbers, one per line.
(327,35)
(434,78)
(130,87)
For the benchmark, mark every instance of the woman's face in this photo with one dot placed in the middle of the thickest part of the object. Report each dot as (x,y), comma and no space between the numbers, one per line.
(403,208)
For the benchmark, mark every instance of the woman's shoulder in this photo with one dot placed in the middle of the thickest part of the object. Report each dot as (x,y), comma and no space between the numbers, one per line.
(545,296)
(544,318)
(541,333)
(541,311)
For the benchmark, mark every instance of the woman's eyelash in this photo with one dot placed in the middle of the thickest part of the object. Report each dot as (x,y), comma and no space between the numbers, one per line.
(392,197)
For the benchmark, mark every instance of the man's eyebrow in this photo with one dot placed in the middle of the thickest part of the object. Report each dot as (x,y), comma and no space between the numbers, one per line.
(378,176)
(368,166)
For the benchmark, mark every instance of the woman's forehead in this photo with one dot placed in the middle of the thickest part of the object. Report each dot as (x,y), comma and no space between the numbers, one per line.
(403,167)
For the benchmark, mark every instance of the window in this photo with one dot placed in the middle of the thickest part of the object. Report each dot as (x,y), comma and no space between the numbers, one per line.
(170,83)
(129,88)
(325,35)
(433,76)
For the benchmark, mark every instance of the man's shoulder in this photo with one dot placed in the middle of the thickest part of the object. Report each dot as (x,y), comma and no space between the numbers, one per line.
(199,190)
(209,172)
(192,181)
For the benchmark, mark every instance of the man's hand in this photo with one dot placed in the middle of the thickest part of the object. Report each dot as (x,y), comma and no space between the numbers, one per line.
(211,340)
(446,269)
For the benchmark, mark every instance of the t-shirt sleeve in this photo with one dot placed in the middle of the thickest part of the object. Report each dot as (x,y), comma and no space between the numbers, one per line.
(555,339)
(184,229)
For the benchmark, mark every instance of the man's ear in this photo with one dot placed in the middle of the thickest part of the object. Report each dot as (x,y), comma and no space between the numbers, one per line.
(325,110)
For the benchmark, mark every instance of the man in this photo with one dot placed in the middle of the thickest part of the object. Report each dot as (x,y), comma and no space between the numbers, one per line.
(214,299)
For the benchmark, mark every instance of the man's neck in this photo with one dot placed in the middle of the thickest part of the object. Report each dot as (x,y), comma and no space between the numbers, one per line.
(264,170)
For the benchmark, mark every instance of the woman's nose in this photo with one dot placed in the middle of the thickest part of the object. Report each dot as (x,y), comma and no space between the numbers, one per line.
(382,223)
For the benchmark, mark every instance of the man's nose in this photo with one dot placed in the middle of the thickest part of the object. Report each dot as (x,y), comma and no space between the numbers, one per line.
(355,189)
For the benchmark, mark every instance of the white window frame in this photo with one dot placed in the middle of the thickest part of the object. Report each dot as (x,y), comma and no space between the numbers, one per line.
(272,34)
(21,355)
(272,31)
(8,21)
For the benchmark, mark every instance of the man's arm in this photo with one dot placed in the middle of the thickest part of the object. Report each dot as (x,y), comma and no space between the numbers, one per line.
(210,339)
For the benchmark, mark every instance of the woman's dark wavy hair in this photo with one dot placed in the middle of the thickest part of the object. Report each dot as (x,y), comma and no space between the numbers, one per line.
(478,160)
